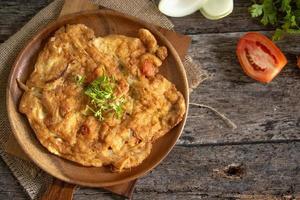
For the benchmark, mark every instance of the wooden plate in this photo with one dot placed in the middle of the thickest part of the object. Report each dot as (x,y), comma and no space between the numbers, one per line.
(103,22)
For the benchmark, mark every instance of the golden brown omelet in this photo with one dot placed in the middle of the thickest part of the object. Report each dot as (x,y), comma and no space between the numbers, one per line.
(64,116)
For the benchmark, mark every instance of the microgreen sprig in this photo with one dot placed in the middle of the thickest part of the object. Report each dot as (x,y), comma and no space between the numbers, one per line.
(101,94)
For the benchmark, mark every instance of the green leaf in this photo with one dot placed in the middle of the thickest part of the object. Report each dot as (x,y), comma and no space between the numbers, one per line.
(117,107)
(283,15)
(279,33)
(256,10)
(287,23)
(285,6)
(293,31)
(293,21)
(270,13)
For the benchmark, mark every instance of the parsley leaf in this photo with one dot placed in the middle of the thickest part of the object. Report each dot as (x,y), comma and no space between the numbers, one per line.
(284,15)
(278,34)
(269,13)
(102,98)
(285,6)
(256,10)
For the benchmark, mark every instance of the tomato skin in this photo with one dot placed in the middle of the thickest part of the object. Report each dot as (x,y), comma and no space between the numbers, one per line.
(264,52)
(148,69)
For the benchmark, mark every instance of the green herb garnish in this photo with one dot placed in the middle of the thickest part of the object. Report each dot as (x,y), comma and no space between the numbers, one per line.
(284,15)
(101,93)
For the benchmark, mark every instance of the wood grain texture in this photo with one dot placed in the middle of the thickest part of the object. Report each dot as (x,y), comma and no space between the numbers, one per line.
(264,114)
(72,6)
(192,173)
(59,190)
(15,14)
(19,12)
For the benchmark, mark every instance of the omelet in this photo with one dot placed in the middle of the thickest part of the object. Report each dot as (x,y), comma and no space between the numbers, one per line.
(99,101)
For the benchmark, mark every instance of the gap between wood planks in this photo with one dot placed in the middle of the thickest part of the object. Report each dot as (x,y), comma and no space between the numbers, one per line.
(264,30)
(241,143)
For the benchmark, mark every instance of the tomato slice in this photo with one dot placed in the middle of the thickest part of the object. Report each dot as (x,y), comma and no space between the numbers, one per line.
(259,57)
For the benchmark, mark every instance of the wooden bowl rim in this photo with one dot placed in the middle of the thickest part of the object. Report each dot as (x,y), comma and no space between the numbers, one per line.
(67,18)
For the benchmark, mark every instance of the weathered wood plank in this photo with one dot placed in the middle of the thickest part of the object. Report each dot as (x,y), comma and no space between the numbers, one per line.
(238,20)
(196,172)
(14,14)
(262,112)
(183,195)
(268,169)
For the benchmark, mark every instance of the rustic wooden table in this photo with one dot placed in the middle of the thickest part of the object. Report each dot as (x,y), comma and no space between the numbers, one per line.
(260,159)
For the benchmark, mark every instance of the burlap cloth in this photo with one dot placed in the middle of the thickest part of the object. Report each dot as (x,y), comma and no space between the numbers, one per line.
(31,178)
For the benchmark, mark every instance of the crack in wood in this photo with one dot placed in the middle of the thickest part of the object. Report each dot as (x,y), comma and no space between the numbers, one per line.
(232,171)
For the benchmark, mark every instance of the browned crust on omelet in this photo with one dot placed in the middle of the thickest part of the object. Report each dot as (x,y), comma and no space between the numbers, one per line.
(55,104)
